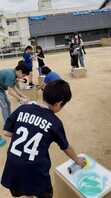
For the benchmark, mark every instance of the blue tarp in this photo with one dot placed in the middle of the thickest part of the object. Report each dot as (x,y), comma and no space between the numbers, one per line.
(38,17)
(87,12)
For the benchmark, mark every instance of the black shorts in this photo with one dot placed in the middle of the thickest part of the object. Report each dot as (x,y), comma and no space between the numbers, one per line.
(42,195)
(25,179)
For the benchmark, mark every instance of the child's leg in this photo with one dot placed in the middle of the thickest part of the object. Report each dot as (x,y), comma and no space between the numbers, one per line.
(39,70)
(5,106)
(8,105)
(30,77)
(81,59)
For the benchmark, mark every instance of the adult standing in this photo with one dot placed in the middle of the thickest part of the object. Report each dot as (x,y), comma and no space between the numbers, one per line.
(74,51)
(82,51)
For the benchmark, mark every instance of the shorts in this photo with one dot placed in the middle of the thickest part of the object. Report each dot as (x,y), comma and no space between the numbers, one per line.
(42,195)
(25,179)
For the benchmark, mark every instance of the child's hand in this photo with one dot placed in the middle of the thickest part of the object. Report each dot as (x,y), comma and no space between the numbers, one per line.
(81,161)
(24,100)
(34,57)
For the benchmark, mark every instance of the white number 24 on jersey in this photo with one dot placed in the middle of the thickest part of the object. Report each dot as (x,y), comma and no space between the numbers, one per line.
(35,140)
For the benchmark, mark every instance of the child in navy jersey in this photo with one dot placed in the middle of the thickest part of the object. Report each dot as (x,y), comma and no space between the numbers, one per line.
(32,129)
(28,59)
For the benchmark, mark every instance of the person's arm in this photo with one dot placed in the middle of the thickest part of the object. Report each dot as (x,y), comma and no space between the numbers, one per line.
(4,133)
(83,48)
(34,57)
(71,154)
(40,57)
(61,140)
(19,92)
(42,86)
(8,128)
(43,83)
(71,51)
(7,134)
(13,91)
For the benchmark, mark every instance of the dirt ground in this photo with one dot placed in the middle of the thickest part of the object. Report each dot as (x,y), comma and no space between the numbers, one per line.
(87,118)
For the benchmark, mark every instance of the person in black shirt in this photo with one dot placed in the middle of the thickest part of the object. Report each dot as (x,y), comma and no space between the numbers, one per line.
(74,51)
(40,58)
(32,129)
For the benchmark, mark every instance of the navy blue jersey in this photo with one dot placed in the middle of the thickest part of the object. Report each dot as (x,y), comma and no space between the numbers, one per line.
(33,129)
(28,60)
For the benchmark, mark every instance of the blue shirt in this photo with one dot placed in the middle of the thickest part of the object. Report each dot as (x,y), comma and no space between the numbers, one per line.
(51,76)
(7,78)
(33,130)
(27,59)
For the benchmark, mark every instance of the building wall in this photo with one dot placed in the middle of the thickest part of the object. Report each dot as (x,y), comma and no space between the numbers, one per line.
(18,32)
(60,41)
(44,4)
(47,43)
(15,30)
(4,38)
(24,33)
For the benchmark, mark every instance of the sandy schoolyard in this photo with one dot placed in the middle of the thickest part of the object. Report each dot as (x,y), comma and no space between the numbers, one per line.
(87,118)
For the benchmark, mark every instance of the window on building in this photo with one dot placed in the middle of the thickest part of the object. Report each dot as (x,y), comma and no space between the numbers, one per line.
(14,33)
(11,21)
(60,39)
(95,34)
(67,39)
(15,44)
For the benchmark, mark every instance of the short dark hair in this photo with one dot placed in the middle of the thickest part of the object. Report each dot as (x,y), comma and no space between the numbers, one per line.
(45,70)
(29,47)
(56,91)
(22,66)
(38,47)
